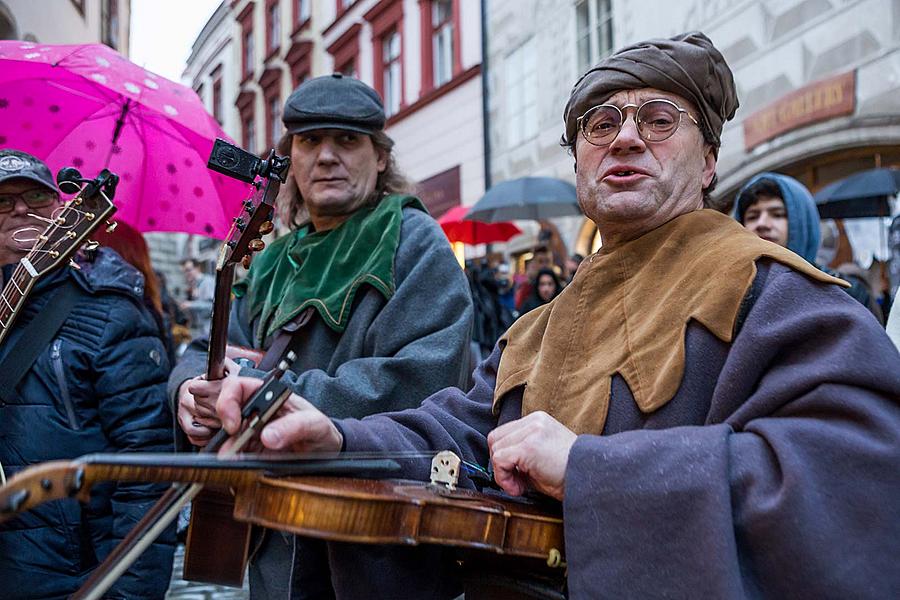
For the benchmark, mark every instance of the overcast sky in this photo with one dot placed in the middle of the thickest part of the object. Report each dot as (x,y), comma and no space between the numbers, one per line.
(162,32)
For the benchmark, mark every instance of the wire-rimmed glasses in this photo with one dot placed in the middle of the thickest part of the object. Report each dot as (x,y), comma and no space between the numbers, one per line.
(657,120)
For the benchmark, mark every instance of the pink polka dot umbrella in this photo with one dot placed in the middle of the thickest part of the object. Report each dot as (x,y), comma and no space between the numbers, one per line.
(89,107)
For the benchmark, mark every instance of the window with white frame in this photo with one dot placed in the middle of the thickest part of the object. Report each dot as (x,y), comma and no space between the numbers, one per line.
(442,40)
(274,26)
(520,82)
(302,10)
(250,134)
(392,78)
(593,24)
(274,119)
(248,51)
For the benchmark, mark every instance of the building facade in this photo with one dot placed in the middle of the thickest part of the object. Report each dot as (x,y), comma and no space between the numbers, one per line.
(423,57)
(72,22)
(817,82)
(536,51)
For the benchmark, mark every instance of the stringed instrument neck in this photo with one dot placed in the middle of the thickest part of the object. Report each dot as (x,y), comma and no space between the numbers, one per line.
(12,299)
(57,480)
(218,332)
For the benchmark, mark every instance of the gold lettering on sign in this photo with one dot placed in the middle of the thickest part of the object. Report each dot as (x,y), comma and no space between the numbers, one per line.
(816,102)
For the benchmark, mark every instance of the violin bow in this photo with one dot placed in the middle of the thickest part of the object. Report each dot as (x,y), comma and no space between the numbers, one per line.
(261,407)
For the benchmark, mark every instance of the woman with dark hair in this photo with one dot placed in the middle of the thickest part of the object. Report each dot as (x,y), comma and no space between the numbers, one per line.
(544,288)
(130,244)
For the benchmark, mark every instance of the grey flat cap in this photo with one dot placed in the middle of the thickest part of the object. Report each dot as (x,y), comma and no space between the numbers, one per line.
(15,164)
(333,102)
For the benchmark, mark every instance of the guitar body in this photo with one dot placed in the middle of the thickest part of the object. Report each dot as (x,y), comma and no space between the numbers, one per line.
(211,530)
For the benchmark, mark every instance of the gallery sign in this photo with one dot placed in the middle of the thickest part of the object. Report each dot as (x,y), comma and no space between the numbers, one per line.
(440,192)
(819,101)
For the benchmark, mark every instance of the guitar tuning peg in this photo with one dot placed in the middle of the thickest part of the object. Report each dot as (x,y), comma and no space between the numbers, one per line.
(245,262)
(288,359)
(111,226)
(266,227)
(256,245)
(92,245)
(74,265)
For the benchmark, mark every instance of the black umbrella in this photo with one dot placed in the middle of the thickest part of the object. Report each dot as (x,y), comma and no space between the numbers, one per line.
(863,194)
(526,198)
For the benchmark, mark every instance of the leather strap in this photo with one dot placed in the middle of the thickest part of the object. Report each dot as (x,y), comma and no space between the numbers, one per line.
(283,340)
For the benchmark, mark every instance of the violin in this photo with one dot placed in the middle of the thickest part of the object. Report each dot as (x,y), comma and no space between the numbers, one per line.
(319,496)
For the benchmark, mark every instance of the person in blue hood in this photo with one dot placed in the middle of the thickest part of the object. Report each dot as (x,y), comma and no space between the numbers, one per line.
(780,209)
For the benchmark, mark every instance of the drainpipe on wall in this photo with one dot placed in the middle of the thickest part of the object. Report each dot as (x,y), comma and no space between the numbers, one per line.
(485,114)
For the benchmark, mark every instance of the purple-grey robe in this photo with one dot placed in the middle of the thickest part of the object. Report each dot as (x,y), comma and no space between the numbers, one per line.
(773,472)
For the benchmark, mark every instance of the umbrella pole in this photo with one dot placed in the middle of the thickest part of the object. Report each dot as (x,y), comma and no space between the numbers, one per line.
(120,123)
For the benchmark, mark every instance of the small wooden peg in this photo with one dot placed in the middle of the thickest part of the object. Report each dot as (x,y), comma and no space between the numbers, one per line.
(256,245)
(266,227)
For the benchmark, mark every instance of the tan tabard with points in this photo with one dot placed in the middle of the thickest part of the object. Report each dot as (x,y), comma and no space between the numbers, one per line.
(626,312)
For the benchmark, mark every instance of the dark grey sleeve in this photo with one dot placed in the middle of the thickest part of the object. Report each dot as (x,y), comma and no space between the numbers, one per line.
(448,420)
(418,342)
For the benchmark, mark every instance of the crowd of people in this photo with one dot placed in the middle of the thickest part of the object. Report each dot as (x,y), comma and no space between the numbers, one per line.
(715,414)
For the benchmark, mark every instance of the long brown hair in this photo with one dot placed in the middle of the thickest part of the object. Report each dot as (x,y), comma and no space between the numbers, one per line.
(291,206)
(132,247)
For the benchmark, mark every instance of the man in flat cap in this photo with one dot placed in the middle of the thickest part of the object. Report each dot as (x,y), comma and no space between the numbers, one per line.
(707,434)
(366,287)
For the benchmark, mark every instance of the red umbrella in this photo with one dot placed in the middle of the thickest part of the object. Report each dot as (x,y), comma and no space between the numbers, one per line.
(474,232)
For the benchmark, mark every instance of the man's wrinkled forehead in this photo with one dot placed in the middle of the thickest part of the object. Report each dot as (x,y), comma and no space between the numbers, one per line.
(640,95)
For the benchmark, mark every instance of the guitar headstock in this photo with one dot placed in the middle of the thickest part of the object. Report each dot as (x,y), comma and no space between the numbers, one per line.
(255,220)
(72,223)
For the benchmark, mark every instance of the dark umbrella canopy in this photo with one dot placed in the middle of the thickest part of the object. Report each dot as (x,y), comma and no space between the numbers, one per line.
(863,194)
(526,198)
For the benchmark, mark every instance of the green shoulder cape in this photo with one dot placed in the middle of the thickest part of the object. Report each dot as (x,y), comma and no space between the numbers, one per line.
(325,269)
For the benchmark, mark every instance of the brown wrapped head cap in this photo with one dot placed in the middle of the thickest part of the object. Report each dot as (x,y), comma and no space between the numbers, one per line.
(687,64)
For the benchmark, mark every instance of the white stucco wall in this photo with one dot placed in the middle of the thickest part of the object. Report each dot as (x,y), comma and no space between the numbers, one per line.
(444,134)
(65,25)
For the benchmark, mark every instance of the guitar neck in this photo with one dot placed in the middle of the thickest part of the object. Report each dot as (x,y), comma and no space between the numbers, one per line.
(218,334)
(13,298)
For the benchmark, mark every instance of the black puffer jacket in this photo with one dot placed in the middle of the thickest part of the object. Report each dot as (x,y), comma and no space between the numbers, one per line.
(98,387)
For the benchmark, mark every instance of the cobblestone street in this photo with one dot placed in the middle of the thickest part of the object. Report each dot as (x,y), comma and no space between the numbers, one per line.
(183,590)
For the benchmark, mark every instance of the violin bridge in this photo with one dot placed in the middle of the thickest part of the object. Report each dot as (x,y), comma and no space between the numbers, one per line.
(445,470)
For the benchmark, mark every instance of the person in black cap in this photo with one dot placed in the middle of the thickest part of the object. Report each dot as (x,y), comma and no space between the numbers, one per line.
(368,278)
(715,416)
(99,386)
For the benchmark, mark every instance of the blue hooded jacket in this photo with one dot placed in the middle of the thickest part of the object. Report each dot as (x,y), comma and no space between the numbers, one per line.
(803,216)
(803,229)
(99,386)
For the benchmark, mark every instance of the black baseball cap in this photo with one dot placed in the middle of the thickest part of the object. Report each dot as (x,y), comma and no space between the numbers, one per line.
(334,102)
(15,164)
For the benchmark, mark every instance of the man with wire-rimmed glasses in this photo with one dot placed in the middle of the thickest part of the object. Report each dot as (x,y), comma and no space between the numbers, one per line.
(718,419)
